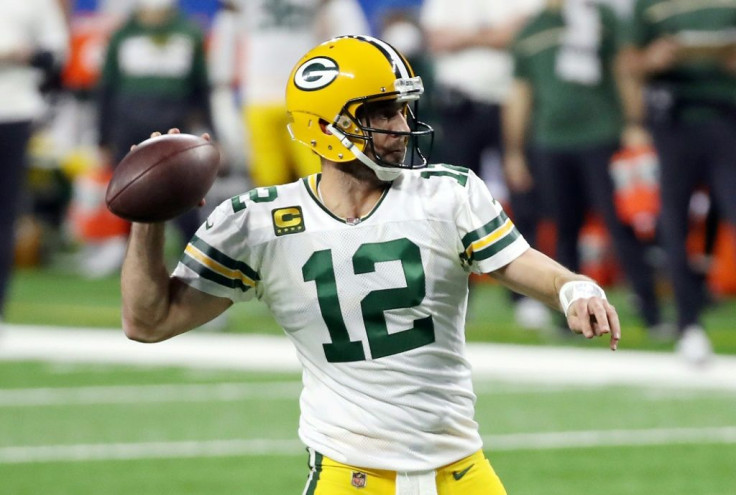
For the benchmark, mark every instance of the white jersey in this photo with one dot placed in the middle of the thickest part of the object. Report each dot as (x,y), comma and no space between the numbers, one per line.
(491,68)
(374,306)
(35,25)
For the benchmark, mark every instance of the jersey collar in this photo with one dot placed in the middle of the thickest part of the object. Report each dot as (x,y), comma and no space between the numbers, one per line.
(311,183)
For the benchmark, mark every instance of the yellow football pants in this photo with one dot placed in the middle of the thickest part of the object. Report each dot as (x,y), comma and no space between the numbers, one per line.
(472,475)
(274,157)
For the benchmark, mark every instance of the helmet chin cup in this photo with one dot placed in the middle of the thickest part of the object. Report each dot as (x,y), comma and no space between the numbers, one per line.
(387,174)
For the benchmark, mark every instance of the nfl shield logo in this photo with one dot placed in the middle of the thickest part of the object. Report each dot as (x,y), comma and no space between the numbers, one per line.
(358,479)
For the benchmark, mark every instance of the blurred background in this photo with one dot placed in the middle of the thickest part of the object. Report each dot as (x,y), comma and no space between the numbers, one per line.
(607,129)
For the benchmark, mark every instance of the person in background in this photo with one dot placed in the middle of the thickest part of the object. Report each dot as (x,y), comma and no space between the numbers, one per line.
(683,62)
(222,65)
(365,266)
(276,33)
(401,29)
(34,41)
(154,76)
(469,41)
(565,106)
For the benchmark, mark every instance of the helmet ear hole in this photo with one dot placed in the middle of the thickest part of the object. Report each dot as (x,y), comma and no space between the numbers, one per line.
(323,127)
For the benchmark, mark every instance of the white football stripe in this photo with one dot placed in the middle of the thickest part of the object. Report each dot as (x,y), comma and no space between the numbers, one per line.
(277,390)
(502,362)
(135,394)
(259,447)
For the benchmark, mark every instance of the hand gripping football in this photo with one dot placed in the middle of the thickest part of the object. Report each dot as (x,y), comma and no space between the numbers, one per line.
(162,178)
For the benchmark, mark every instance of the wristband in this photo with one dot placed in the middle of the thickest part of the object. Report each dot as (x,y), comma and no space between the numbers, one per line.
(578,289)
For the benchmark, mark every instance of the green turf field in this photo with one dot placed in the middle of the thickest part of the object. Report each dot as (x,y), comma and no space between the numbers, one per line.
(91,429)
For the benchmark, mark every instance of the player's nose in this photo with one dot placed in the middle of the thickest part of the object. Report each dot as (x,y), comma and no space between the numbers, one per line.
(398,123)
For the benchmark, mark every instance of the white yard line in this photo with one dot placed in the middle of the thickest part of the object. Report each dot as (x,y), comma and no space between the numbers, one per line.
(519,364)
(148,450)
(282,390)
(137,394)
(611,438)
(260,447)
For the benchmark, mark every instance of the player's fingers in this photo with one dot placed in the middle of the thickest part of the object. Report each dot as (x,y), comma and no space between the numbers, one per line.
(174,130)
(206,136)
(615,326)
(202,202)
(598,312)
(155,134)
(583,318)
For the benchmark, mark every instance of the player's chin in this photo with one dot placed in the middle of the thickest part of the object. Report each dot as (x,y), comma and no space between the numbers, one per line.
(394,157)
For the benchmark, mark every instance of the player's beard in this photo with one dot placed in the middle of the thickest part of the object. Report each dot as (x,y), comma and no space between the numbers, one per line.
(392,157)
(361,172)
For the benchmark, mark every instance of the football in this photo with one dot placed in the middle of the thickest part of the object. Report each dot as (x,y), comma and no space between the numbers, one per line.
(162,178)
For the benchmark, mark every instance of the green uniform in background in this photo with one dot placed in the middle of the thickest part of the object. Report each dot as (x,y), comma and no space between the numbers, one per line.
(568,114)
(699,87)
(566,56)
(153,78)
(691,113)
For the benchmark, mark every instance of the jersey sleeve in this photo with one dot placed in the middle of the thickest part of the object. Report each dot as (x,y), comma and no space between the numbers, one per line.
(489,238)
(216,260)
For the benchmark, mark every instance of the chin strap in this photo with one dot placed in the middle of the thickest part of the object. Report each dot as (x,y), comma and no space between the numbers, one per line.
(382,173)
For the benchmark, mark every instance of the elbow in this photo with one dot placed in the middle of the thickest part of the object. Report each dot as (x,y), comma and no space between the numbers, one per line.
(138,332)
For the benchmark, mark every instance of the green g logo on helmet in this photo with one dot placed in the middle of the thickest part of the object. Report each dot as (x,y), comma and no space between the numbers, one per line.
(316,73)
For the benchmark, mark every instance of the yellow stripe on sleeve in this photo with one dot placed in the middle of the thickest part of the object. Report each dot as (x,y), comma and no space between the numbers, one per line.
(218,268)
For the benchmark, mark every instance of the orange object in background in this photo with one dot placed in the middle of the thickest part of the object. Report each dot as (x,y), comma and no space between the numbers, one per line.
(635,173)
(90,219)
(597,260)
(722,273)
(89,37)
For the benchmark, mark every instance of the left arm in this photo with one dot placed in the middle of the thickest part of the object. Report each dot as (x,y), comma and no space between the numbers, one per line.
(536,275)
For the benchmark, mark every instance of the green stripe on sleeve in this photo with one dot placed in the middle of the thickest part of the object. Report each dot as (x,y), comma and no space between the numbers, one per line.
(212,276)
(480,233)
(224,259)
(496,247)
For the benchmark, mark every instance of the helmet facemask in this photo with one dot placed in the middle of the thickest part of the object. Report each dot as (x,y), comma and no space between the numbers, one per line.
(353,126)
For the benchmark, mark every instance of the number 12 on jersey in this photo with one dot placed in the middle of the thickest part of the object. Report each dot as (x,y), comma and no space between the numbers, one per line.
(319,268)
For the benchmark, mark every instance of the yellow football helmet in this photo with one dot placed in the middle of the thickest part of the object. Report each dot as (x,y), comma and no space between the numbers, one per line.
(329,85)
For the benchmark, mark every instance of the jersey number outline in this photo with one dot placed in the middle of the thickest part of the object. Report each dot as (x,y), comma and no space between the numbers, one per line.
(319,268)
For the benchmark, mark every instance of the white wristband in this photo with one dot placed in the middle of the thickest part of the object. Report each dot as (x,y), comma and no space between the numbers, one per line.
(578,289)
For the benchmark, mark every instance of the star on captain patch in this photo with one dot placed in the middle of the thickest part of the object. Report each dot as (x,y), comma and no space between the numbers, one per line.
(358,480)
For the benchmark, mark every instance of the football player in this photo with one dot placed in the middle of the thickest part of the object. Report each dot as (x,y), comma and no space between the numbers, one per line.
(365,266)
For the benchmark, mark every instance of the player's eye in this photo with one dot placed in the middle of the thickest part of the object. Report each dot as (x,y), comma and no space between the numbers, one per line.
(381,112)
